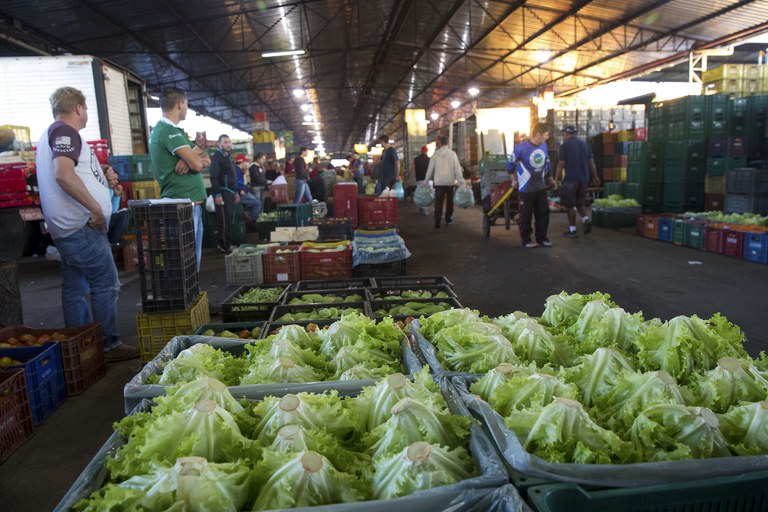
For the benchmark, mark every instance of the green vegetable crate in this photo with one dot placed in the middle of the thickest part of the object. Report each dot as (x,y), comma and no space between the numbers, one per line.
(271,328)
(251,303)
(323,298)
(410,281)
(743,493)
(233,327)
(411,292)
(333,284)
(620,217)
(404,308)
(376,270)
(313,312)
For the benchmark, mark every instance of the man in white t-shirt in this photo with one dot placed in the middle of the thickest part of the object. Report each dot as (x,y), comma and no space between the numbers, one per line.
(74,194)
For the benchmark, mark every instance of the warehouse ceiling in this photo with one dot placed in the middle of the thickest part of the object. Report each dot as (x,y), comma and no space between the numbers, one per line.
(366,61)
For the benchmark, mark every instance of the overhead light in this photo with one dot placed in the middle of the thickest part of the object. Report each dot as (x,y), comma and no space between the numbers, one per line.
(378,145)
(390,141)
(318,141)
(312,123)
(434,116)
(455,104)
(473,91)
(309,117)
(298,93)
(154,98)
(305,107)
(282,53)
(542,55)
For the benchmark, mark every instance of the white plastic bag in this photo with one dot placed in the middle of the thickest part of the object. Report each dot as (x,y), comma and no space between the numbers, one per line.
(210,204)
(424,195)
(464,197)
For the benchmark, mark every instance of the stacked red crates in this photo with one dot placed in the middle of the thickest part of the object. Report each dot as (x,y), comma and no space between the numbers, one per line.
(13,185)
(282,267)
(345,202)
(377,212)
(325,265)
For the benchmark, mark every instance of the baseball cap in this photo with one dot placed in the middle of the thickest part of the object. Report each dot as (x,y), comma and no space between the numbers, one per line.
(241,158)
(424,149)
(569,129)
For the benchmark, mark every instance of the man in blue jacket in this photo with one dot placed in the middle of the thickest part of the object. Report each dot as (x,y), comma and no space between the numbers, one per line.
(530,173)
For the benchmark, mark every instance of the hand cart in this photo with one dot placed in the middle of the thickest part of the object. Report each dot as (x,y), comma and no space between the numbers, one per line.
(498,196)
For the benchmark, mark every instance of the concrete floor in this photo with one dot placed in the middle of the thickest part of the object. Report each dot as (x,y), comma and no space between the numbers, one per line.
(495,275)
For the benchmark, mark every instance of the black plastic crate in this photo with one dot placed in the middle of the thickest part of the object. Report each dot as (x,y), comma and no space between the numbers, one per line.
(389,282)
(341,293)
(388,304)
(393,292)
(333,284)
(163,226)
(271,328)
(244,312)
(746,181)
(376,270)
(279,311)
(332,229)
(170,288)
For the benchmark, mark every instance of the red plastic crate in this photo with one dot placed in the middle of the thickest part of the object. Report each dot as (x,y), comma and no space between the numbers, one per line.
(325,265)
(377,211)
(101,150)
(498,190)
(82,354)
(733,243)
(651,229)
(13,178)
(714,202)
(345,202)
(11,200)
(15,413)
(714,241)
(282,267)
(127,193)
(278,193)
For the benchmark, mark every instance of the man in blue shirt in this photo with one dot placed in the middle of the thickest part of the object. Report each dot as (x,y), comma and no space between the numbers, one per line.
(530,173)
(389,163)
(575,157)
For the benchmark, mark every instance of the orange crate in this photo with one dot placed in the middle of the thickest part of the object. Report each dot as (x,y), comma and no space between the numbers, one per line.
(651,226)
(82,354)
(325,265)
(281,267)
(15,413)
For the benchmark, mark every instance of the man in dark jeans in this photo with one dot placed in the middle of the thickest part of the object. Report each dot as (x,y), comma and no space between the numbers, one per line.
(530,173)
(575,158)
(224,190)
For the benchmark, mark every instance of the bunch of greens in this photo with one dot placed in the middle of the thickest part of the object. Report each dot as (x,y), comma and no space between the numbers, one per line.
(615,201)
(320,298)
(411,308)
(317,314)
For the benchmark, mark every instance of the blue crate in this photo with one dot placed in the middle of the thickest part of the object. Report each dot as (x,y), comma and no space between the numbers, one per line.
(45,377)
(122,166)
(756,247)
(665,228)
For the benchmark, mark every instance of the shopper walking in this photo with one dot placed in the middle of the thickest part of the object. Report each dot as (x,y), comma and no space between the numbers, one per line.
(389,163)
(530,173)
(420,165)
(576,159)
(178,162)
(445,170)
(251,204)
(223,174)
(75,196)
(357,166)
(302,177)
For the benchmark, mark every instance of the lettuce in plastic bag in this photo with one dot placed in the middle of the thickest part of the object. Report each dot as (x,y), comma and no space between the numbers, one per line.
(746,428)
(202,360)
(730,382)
(473,347)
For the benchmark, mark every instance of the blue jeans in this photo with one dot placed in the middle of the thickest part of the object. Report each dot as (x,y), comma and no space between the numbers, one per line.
(197,219)
(87,265)
(360,179)
(252,204)
(302,189)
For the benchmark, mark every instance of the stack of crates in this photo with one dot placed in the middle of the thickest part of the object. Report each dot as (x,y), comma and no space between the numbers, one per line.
(684,176)
(138,178)
(171,304)
(746,191)
(345,201)
(645,177)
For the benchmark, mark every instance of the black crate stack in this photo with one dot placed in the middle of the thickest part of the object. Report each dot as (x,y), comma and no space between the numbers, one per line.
(165,238)
(746,191)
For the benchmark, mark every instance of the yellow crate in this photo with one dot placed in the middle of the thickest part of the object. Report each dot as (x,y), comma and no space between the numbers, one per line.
(752,71)
(263,136)
(620,174)
(724,72)
(724,86)
(156,329)
(626,135)
(145,189)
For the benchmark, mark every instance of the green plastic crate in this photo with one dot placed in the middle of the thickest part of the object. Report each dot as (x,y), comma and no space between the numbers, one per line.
(614,187)
(678,231)
(233,327)
(741,493)
(645,193)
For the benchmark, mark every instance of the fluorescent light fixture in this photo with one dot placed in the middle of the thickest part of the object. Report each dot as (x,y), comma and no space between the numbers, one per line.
(542,55)
(434,116)
(311,123)
(298,93)
(309,117)
(391,141)
(282,53)
(154,97)
(306,107)
(455,104)
(473,91)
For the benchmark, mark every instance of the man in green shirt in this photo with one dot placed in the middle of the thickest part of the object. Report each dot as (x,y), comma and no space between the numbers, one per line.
(178,162)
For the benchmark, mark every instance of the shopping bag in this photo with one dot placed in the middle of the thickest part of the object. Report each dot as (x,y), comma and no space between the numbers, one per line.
(464,197)
(424,195)
(399,191)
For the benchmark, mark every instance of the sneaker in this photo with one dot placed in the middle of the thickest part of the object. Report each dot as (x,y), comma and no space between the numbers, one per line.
(570,234)
(546,243)
(222,249)
(449,222)
(587,227)
(437,225)
(530,245)
(122,353)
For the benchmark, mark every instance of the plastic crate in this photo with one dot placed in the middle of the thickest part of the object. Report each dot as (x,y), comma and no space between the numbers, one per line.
(282,267)
(640,225)
(14,199)
(714,202)
(233,327)
(377,270)
(279,311)
(714,240)
(156,329)
(82,353)
(122,166)
(746,181)
(376,305)
(333,229)
(743,493)
(665,228)
(696,234)
(294,215)
(325,265)
(141,190)
(756,247)
(377,211)
(341,293)
(265,229)
(244,267)
(278,194)
(243,312)
(333,284)
(13,178)
(45,377)
(652,226)
(101,150)
(394,292)
(678,231)
(15,414)
(746,203)
(345,202)
(733,243)
(141,168)
(392,281)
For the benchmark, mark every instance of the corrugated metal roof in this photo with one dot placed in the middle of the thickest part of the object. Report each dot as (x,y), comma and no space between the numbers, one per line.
(367,61)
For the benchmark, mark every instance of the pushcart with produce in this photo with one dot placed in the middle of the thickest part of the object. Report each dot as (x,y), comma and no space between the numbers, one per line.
(498,196)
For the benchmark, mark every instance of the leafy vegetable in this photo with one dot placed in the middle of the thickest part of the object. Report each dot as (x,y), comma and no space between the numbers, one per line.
(192,484)
(438,321)
(673,432)
(363,371)
(311,411)
(349,357)
(535,343)
(359,329)
(615,201)
(521,389)
(598,373)
(730,382)
(746,428)
(419,466)
(258,295)
(185,396)
(473,347)
(202,360)
(297,439)
(562,310)
(283,369)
